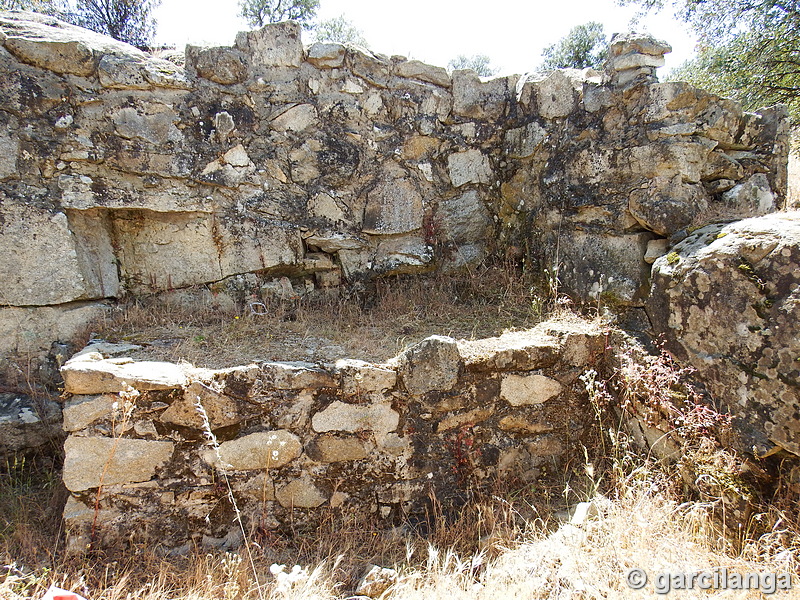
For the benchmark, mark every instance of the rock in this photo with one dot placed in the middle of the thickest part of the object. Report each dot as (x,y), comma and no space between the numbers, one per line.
(360,377)
(326,55)
(464,219)
(556,95)
(475,99)
(655,249)
(262,450)
(394,205)
(220,410)
(469,418)
(402,254)
(300,493)
(726,300)
(432,365)
(470,166)
(27,423)
(414,69)
(354,418)
(376,581)
(92,374)
(523,390)
(751,198)
(274,45)
(523,142)
(226,66)
(666,206)
(522,424)
(297,376)
(332,449)
(297,118)
(90,462)
(82,411)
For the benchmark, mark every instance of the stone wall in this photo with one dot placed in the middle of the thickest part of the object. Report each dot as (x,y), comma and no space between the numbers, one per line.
(300,442)
(123,174)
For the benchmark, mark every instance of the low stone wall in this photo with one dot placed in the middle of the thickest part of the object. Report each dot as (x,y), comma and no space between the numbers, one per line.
(297,442)
(327,164)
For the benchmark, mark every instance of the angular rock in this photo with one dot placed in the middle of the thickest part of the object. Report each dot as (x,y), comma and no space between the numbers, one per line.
(90,462)
(354,418)
(376,581)
(751,198)
(464,219)
(333,449)
(274,45)
(470,166)
(414,69)
(297,118)
(556,95)
(300,493)
(326,55)
(359,377)
(394,205)
(27,423)
(220,410)
(475,99)
(297,376)
(92,374)
(82,411)
(726,300)
(432,365)
(262,450)
(226,66)
(524,390)
(666,206)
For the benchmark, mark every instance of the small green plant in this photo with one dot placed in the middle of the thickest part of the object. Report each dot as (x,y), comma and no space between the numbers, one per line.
(673,258)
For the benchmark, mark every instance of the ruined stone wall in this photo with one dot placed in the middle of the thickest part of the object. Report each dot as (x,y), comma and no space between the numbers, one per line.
(300,442)
(123,174)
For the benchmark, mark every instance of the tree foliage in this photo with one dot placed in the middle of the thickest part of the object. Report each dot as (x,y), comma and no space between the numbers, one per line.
(129,21)
(584,46)
(339,30)
(258,13)
(480,63)
(749,49)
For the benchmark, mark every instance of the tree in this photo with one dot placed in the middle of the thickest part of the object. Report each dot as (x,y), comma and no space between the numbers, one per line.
(749,49)
(258,13)
(584,46)
(129,21)
(480,63)
(339,30)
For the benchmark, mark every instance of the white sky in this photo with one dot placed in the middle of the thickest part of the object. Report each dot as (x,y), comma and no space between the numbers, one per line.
(512,33)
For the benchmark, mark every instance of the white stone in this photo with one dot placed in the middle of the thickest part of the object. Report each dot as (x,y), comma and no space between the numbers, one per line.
(524,390)
(297,118)
(92,374)
(262,450)
(470,166)
(353,418)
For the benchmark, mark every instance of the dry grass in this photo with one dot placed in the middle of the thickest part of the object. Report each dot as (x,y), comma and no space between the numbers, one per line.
(372,324)
(490,552)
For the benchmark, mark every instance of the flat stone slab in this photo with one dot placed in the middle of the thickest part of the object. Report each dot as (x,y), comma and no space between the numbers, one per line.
(92,374)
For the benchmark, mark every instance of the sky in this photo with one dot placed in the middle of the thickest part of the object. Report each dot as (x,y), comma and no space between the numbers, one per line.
(512,33)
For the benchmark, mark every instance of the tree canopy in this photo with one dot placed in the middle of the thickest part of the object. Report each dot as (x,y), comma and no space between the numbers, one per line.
(480,63)
(258,13)
(341,30)
(749,49)
(584,46)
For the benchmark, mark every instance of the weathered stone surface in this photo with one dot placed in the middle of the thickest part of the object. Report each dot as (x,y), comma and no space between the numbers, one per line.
(90,462)
(220,410)
(333,449)
(556,95)
(92,374)
(668,205)
(353,418)
(394,205)
(523,424)
(262,450)
(468,419)
(523,390)
(297,118)
(470,166)
(27,422)
(726,299)
(300,493)
(376,581)
(220,65)
(433,364)
(274,45)
(326,56)
(753,197)
(476,99)
(296,376)
(82,411)
(655,249)
(414,69)
(359,377)
(464,219)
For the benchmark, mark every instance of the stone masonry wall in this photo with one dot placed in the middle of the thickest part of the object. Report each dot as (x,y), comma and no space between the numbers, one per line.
(301,442)
(123,174)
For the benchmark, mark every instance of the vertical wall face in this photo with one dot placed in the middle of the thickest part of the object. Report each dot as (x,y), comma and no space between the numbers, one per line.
(124,174)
